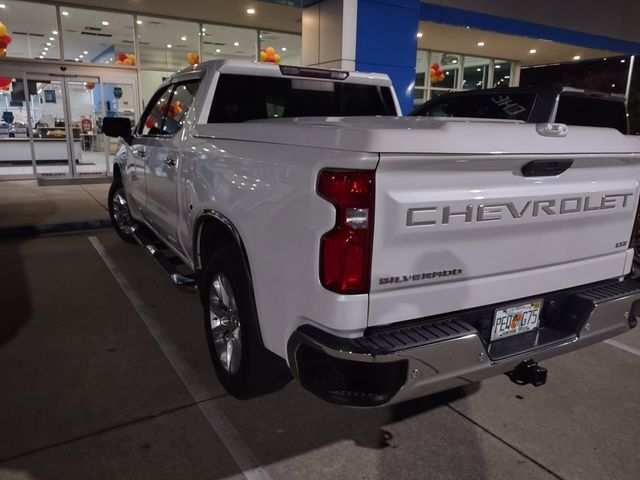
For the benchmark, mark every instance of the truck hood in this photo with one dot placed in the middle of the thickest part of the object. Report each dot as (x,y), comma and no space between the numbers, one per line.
(421,135)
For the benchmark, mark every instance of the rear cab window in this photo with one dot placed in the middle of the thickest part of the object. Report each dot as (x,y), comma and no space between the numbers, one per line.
(239,98)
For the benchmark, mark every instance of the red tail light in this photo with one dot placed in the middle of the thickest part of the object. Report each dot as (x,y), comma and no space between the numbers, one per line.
(345,251)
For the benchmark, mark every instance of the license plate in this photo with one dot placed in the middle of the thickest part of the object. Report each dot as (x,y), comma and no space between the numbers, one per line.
(516,319)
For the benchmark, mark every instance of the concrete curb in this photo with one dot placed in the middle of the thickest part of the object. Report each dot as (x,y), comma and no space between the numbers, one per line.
(58,228)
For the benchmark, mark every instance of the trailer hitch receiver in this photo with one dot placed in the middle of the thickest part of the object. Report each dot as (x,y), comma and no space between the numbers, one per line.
(528,372)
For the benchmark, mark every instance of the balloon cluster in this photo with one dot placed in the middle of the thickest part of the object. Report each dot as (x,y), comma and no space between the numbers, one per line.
(89,85)
(125,59)
(193,58)
(436,73)
(5,82)
(269,55)
(5,40)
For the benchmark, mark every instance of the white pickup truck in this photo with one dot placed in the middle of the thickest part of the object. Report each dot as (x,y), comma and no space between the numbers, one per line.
(376,257)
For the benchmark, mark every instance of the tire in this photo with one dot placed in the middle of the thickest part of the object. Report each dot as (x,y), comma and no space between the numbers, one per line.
(119,212)
(244,366)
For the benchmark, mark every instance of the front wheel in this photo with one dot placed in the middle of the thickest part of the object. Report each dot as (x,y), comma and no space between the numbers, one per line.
(244,367)
(119,212)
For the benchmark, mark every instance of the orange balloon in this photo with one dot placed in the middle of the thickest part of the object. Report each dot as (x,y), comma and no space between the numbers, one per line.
(3,52)
(270,51)
(276,58)
(192,58)
(441,77)
(127,61)
(263,56)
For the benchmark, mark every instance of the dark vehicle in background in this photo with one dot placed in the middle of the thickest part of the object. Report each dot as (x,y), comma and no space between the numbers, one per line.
(532,104)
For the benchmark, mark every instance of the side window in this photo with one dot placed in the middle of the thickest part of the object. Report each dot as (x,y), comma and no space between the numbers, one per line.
(168,109)
(181,102)
(151,121)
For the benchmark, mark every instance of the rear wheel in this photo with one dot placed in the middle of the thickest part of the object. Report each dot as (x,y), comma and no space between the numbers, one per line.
(244,367)
(119,212)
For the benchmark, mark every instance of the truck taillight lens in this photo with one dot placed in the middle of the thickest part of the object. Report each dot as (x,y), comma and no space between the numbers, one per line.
(345,251)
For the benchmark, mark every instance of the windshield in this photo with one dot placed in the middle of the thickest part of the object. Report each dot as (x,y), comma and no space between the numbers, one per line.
(239,98)
(592,112)
(505,106)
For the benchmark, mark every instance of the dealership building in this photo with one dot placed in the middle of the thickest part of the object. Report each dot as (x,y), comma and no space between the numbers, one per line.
(70,64)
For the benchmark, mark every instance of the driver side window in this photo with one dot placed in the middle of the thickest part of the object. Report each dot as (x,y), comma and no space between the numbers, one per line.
(151,122)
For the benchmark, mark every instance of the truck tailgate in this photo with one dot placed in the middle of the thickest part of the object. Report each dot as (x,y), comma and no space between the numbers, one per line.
(459,231)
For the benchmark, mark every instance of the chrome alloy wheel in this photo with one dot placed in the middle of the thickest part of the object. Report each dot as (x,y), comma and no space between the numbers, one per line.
(224,320)
(121,212)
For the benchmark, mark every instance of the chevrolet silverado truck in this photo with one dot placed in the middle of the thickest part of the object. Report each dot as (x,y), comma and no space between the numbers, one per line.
(377,258)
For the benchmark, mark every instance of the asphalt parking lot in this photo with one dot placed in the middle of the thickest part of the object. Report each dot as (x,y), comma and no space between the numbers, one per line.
(104,373)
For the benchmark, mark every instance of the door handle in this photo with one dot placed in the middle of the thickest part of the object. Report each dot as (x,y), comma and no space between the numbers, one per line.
(169,161)
(139,152)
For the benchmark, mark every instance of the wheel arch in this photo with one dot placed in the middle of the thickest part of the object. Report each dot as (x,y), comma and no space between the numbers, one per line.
(212,230)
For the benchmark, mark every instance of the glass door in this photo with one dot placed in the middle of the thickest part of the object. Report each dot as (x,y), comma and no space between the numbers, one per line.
(85,113)
(51,132)
(16,160)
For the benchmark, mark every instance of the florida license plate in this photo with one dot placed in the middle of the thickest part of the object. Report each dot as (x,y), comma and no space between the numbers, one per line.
(516,319)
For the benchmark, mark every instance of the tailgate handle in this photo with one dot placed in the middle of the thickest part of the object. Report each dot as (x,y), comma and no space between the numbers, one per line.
(545,168)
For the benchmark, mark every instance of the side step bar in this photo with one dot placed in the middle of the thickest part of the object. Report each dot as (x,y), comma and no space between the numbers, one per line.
(146,241)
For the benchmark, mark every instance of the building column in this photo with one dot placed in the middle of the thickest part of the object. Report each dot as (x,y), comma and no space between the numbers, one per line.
(365,35)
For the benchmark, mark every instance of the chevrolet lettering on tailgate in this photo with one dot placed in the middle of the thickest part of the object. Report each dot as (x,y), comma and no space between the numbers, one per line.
(499,211)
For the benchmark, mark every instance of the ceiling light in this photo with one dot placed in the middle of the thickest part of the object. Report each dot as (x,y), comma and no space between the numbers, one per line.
(51,38)
(169,45)
(479,69)
(204,29)
(419,35)
(481,44)
(76,59)
(251,11)
(85,52)
(183,38)
(139,22)
(48,44)
(455,60)
(40,56)
(497,66)
(55,32)
(284,49)
(44,53)
(576,57)
(2,5)
(613,85)
(622,61)
(236,44)
(46,48)
(81,56)
(105,23)
(532,51)
(218,50)
(65,13)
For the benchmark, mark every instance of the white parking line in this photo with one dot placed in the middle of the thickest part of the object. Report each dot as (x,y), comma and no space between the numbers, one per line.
(622,346)
(219,422)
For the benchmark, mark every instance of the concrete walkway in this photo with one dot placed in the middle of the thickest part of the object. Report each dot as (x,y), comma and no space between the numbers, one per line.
(25,204)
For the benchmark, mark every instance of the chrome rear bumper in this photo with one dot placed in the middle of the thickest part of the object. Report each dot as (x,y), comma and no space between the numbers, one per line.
(448,353)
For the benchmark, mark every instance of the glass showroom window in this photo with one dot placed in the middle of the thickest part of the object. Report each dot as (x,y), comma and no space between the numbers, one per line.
(228,42)
(97,37)
(165,44)
(33,29)
(502,73)
(476,73)
(150,80)
(287,45)
(438,73)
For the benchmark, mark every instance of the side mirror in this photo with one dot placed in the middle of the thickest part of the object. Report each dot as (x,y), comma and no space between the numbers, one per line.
(117,127)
